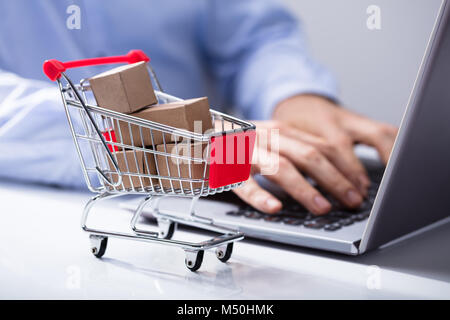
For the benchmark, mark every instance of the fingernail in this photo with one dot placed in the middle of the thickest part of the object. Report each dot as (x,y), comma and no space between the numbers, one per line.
(272,204)
(363,190)
(353,197)
(321,203)
(260,200)
(364,184)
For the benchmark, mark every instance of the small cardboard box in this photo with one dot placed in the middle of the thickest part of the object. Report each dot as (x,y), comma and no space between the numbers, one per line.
(137,164)
(191,115)
(124,89)
(168,163)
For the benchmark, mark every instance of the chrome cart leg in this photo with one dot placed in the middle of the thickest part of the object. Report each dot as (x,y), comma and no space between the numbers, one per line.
(98,243)
(194,216)
(166,228)
(194,259)
(90,204)
(192,206)
(136,217)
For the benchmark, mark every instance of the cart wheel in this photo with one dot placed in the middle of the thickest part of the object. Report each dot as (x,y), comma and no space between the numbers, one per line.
(168,231)
(224,255)
(194,260)
(98,245)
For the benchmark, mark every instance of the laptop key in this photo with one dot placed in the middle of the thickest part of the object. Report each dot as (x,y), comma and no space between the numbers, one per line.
(314,224)
(360,216)
(293,221)
(235,213)
(297,208)
(271,218)
(253,215)
(296,214)
(332,227)
(340,214)
(366,205)
(327,219)
(365,214)
(346,221)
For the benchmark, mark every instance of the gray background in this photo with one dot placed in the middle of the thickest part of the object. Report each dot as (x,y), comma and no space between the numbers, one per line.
(376,69)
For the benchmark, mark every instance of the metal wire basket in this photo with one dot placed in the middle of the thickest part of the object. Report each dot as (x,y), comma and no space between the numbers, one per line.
(118,156)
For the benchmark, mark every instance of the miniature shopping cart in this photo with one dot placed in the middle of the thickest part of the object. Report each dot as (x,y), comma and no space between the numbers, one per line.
(98,135)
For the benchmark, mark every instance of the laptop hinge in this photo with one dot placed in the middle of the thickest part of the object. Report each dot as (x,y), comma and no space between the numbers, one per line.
(355,247)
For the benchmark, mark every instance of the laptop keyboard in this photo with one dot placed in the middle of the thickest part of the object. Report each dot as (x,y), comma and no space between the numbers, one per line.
(295,214)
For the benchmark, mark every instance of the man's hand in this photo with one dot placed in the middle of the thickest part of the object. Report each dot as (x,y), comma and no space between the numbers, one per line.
(316,137)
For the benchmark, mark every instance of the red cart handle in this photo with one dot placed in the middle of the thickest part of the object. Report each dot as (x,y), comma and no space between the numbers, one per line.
(53,68)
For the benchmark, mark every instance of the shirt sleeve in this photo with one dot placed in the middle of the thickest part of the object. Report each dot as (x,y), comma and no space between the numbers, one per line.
(257,53)
(35,140)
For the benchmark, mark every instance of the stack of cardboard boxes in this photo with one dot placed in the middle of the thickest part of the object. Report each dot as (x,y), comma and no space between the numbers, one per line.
(128,89)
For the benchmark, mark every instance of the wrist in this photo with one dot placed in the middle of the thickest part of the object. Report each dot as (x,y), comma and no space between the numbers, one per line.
(288,107)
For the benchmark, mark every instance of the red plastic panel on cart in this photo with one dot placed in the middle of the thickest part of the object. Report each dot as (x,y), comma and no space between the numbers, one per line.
(230,158)
(110,135)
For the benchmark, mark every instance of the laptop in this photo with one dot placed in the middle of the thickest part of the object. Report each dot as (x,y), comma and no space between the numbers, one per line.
(410,195)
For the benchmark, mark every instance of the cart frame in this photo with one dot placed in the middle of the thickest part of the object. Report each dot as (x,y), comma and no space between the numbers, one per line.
(88,124)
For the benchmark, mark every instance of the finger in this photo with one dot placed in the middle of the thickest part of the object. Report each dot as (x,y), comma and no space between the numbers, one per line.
(382,139)
(318,167)
(376,134)
(338,148)
(385,144)
(344,157)
(289,178)
(257,197)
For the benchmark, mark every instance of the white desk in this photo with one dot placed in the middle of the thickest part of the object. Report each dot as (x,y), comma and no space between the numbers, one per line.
(44,254)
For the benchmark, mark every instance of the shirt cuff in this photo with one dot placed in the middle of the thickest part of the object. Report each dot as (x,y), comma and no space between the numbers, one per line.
(273,96)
